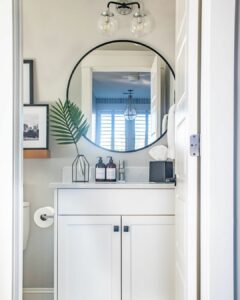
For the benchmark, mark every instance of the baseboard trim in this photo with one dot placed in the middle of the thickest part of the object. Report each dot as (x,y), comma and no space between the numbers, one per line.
(38,291)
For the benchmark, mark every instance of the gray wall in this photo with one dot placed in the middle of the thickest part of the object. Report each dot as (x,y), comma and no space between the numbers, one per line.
(56,34)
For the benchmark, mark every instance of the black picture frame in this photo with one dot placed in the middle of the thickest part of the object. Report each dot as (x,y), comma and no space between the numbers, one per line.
(37,115)
(28,92)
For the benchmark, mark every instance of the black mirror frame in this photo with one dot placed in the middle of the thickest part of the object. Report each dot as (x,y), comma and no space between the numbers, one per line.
(104,44)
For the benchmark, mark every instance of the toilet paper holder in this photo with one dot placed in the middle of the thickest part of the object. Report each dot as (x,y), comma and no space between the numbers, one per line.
(45,217)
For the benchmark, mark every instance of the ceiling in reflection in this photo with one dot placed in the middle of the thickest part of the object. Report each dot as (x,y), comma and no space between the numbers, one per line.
(114,84)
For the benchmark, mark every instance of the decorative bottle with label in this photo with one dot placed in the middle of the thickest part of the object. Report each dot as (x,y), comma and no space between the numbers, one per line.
(100,170)
(111,170)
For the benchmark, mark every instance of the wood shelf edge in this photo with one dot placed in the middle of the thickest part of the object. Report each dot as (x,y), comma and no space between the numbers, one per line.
(36,153)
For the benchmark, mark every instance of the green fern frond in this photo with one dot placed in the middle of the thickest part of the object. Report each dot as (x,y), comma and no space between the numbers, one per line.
(67,123)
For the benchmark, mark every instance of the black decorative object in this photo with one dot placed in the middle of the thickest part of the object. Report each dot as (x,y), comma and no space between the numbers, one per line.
(161,171)
(80,169)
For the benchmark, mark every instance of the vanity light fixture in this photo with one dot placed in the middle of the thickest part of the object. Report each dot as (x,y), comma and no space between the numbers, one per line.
(130,113)
(140,25)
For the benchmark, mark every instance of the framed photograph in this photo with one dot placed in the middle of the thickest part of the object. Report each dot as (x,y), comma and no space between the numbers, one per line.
(28,81)
(35,126)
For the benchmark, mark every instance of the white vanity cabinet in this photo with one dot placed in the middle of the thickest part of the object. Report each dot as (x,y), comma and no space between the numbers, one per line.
(113,242)
(89,258)
(148,258)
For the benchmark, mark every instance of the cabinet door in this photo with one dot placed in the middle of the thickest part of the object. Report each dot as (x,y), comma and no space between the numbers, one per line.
(148,258)
(89,258)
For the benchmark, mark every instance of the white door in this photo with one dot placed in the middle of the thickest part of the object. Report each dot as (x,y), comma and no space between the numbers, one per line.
(155,98)
(147,258)
(187,18)
(89,258)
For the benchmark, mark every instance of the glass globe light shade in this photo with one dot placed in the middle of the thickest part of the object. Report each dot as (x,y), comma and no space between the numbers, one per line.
(141,24)
(107,24)
(130,114)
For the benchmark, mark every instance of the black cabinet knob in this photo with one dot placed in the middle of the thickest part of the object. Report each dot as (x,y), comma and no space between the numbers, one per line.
(116,228)
(125,228)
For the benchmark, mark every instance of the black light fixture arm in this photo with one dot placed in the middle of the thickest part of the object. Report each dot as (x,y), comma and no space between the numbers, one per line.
(123,4)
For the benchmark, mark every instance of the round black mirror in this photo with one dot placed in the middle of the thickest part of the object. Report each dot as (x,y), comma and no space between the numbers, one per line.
(125,90)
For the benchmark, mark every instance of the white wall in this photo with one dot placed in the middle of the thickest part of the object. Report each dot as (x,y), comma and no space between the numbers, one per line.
(56,34)
(237,157)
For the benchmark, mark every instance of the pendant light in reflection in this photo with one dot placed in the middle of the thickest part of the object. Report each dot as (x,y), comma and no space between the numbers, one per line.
(130,113)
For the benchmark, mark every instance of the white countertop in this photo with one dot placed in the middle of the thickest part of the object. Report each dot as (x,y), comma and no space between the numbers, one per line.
(112,185)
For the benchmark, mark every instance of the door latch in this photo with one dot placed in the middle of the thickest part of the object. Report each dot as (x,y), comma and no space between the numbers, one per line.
(195,145)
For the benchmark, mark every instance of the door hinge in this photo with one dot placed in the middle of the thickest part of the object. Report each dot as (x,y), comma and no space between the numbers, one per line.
(195,145)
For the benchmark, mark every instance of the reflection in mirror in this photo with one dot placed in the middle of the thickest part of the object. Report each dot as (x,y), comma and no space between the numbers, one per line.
(125,90)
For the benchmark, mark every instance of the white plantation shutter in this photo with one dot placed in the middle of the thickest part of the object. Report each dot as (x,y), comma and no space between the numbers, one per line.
(106,130)
(140,131)
(93,128)
(112,131)
(119,132)
(149,137)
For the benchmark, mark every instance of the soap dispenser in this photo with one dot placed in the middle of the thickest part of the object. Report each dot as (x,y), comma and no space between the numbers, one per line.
(100,170)
(111,170)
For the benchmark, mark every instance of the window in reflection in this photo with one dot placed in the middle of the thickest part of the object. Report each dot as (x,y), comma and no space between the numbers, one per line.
(113,131)
(104,131)
(141,132)
(113,94)
(119,132)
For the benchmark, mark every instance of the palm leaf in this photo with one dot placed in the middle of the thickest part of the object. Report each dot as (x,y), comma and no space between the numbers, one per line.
(67,122)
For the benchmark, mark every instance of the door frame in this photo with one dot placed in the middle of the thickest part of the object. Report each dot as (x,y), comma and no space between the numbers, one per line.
(217,251)
(11,231)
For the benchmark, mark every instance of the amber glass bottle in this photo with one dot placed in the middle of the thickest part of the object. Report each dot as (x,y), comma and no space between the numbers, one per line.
(100,171)
(111,171)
